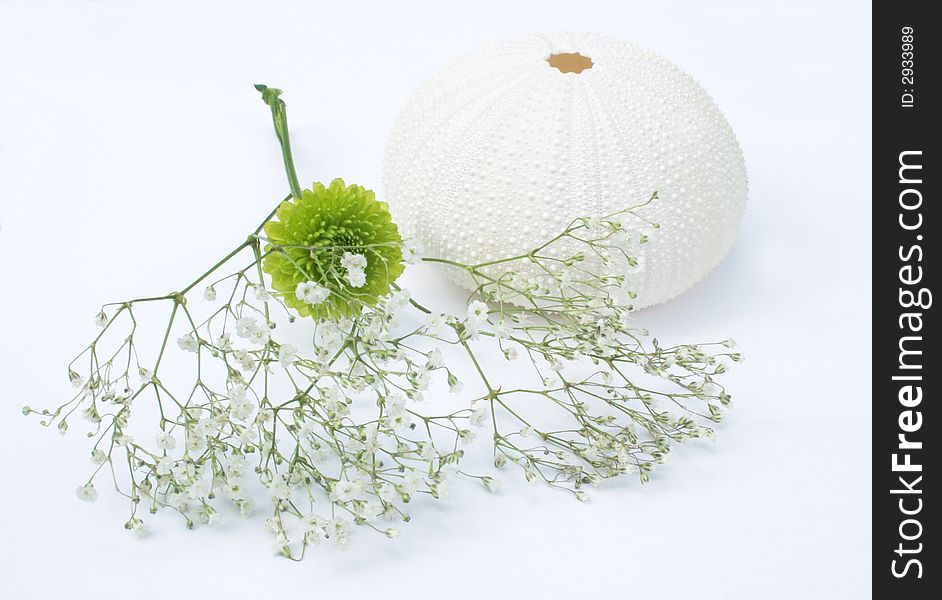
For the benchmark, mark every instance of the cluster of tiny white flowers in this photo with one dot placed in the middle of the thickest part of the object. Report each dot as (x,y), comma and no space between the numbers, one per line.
(311,292)
(255,333)
(188,343)
(360,435)
(411,252)
(355,268)
(477,318)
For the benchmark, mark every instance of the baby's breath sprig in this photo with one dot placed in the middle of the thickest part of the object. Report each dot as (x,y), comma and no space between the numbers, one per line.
(328,415)
(298,419)
(619,402)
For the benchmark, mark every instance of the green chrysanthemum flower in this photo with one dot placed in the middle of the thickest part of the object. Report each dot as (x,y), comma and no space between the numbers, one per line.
(319,244)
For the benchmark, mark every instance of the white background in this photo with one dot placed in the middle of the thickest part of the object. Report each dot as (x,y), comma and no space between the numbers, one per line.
(133,150)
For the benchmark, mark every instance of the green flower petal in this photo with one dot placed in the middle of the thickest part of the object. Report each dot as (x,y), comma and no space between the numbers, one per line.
(311,234)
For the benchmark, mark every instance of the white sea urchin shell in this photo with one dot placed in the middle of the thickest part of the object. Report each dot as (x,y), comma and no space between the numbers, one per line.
(501,150)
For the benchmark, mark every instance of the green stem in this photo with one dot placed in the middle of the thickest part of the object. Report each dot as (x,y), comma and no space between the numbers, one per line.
(279,115)
(192,285)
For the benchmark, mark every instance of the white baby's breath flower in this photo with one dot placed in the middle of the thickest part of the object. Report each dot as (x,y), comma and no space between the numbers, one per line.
(392,514)
(246,506)
(237,392)
(320,455)
(428,452)
(479,416)
(202,484)
(240,407)
(421,380)
(412,252)
(261,294)
(224,343)
(397,417)
(502,330)
(165,441)
(248,436)
(209,294)
(87,492)
(179,501)
(274,525)
(411,482)
(374,329)
(280,488)
(91,415)
(311,292)
(287,355)
(399,421)
(183,470)
(339,530)
(356,277)
(234,488)
(477,311)
(387,492)
(207,515)
(99,457)
(188,343)
(146,375)
(435,326)
(245,360)
(265,416)
(314,524)
(352,261)
(101,319)
(370,510)
(398,300)
(565,280)
(441,490)
(136,527)
(164,466)
(710,389)
(436,360)
(195,442)
(76,380)
(253,331)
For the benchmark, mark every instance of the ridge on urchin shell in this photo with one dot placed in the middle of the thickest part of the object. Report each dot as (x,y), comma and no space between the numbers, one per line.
(500,151)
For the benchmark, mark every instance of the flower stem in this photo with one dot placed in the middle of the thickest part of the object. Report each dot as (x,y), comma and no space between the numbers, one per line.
(279,116)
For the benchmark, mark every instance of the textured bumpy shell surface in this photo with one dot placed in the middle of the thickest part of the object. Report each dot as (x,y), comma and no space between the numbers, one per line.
(500,151)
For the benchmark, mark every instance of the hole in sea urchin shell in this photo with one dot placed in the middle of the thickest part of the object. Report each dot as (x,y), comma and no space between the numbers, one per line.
(570,62)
